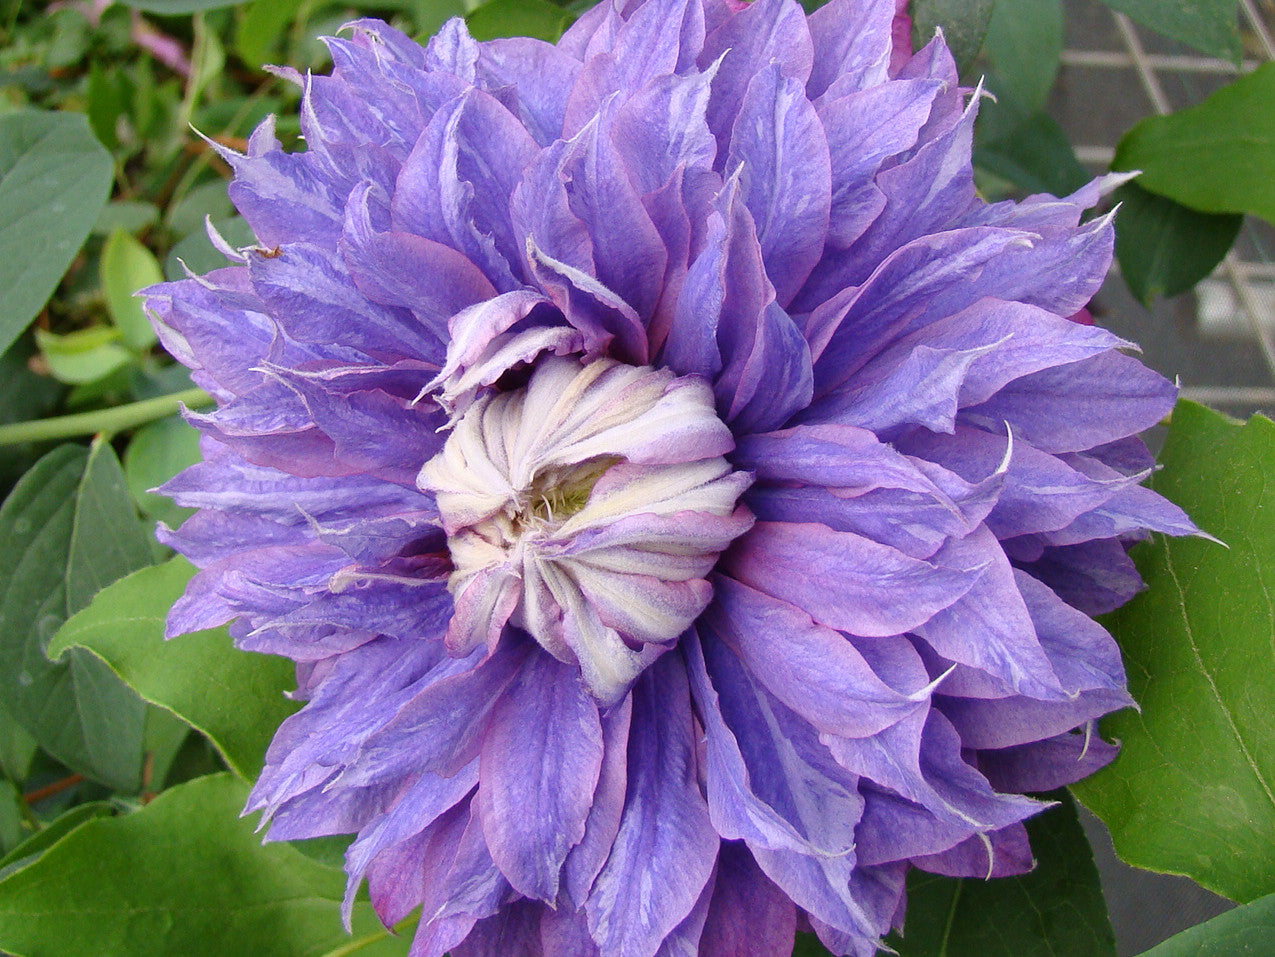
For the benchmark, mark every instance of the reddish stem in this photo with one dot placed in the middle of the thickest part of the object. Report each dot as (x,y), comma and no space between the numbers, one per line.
(57,787)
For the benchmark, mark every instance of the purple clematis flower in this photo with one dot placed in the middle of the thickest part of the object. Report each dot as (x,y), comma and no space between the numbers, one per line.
(684,498)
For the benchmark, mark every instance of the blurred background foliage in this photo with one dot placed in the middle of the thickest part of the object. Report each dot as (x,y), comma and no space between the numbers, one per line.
(109,113)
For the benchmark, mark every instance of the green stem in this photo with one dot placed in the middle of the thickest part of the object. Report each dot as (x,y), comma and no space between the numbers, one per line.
(102,420)
(354,946)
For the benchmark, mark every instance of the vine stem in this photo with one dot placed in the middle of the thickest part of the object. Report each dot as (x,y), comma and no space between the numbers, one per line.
(57,787)
(111,420)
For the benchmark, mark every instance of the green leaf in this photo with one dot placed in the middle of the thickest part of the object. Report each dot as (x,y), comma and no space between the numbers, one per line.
(261,27)
(1218,157)
(518,18)
(1024,45)
(106,103)
(1033,153)
(166,735)
(29,851)
(130,215)
(235,698)
(1055,911)
(13,824)
(429,15)
(54,180)
(25,396)
(1163,247)
(128,266)
(157,453)
(17,748)
(964,24)
(210,199)
(1207,25)
(69,528)
(1247,930)
(326,850)
(184,875)
(85,355)
(1193,791)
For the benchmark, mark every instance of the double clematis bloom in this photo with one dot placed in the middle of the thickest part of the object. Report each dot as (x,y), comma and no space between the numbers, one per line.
(684,498)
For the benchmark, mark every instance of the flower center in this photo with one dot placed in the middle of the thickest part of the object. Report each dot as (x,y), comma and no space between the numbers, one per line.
(587,508)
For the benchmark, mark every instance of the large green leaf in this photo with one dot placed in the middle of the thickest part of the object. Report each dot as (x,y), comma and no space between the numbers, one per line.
(1208,25)
(69,529)
(1163,247)
(183,876)
(1247,931)
(29,851)
(1193,791)
(54,180)
(1218,157)
(233,697)
(1055,911)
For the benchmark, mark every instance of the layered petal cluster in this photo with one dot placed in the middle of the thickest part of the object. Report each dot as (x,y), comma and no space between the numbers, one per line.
(685,499)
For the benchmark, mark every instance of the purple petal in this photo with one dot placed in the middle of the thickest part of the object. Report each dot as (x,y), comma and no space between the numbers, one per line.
(541,756)
(665,849)
(1094,577)
(455,185)
(513,931)
(536,76)
(864,128)
(441,727)
(1045,765)
(763,787)
(786,175)
(851,45)
(748,915)
(1077,406)
(812,669)
(311,294)
(775,558)
(452,50)
(1003,853)
(585,860)
(399,269)
(763,32)
(991,629)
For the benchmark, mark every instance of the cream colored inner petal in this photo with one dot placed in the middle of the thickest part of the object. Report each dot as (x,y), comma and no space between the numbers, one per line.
(603,489)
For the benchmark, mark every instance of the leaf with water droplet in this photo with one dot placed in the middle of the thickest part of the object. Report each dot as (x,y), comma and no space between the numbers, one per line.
(54,180)
(237,699)
(69,529)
